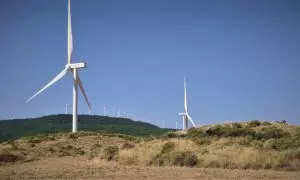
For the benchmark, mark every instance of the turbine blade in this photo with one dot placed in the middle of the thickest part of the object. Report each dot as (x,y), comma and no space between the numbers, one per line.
(83,91)
(189,117)
(70,36)
(58,77)
(185,98)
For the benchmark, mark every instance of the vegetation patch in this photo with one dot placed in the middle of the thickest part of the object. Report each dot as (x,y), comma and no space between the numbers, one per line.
(111,153)
(186,158)
(127,145)
(7,155)
(254,123)
(167,147)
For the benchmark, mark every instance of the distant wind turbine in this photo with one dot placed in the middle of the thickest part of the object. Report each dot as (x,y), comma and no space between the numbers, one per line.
(118,113)
(104,110)
(66,108)
(72,67)
(185,116)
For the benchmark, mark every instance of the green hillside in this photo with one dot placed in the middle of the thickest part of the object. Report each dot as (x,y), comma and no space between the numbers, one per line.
(13,129)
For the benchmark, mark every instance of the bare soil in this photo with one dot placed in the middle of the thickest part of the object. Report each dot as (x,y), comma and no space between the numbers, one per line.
(81,167)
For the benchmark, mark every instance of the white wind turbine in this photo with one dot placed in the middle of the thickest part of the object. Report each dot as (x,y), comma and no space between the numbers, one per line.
(72,67)
(185,116)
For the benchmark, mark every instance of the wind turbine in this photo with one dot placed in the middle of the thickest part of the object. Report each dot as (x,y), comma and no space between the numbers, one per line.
(104,110)
(185,116)
(72,67)
(66,108)
(118,113)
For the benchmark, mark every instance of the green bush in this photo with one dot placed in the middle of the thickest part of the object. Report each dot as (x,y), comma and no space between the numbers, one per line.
(111,153)
(186,158)
(254,123)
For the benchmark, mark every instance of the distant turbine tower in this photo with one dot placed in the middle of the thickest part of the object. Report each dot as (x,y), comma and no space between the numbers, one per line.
(176,125)
(185,116)
(104,110)
(66,108)
(118,113)
(72,67)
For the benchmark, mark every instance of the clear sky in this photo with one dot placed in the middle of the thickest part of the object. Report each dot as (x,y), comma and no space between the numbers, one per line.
(241,58)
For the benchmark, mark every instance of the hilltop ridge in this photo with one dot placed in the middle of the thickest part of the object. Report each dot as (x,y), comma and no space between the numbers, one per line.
(16,128)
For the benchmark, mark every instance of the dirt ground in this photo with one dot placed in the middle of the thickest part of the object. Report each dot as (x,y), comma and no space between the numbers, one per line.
(83,168)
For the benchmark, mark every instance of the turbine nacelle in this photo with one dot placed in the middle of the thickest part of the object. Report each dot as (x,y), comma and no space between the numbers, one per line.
(182,114)
(76,65)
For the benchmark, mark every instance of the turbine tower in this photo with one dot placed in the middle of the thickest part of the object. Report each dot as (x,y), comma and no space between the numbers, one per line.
(73,68)
(185,116)
(66,108)
(104,110)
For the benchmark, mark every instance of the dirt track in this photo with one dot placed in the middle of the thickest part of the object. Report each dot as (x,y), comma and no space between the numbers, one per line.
(83,168)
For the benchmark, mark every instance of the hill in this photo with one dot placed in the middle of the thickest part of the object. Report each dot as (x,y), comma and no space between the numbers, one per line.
(268,147)
(16,128)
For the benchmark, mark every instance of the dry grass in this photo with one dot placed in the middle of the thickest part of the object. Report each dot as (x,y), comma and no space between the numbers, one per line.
(208,152)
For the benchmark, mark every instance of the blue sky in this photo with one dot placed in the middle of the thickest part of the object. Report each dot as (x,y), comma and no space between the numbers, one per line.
(241,58)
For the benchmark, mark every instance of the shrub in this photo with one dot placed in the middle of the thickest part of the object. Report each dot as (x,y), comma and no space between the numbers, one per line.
(170,135)
(201,140)
(254,123)
(95,146)
(292,154)
(13,144)
(73,136)
(265,123)
(193,132)
(9,156)
(159,159)
(186,158)
(34,140)
(236,125)
(226,131)
(111,153)
(282,122)
(283,143)
(271,132)
(167,147)
(127,145)
(257,144)
(245,141)
(290,160)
